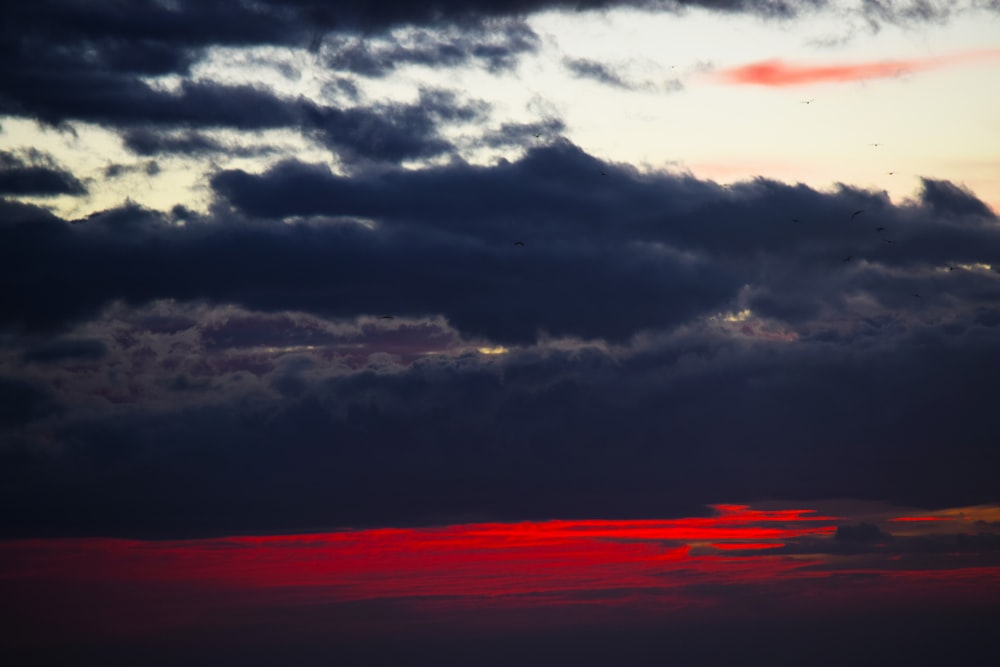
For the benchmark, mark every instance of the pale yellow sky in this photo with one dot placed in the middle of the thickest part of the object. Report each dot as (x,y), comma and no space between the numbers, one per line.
(940,123)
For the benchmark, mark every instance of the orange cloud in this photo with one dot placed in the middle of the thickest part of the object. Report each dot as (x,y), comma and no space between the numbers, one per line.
(778,73)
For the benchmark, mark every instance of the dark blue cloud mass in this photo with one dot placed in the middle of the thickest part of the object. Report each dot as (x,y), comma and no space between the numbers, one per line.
(305,354)
(551,335)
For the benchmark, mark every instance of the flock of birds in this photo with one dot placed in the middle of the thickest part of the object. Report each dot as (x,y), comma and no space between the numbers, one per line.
(860,211)
(878,230)
(854,214)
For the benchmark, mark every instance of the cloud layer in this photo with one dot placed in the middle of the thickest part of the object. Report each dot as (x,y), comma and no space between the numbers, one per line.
(377,330)
(309,353)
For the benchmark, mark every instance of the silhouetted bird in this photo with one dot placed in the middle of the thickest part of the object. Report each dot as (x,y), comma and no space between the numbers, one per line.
(888,241)
(880,229)
(796,220)
(848,258)
(537,134)
(603,174)
(953,268)
(386,317)
(856,213)
(518,242)
(891,173)
(916,295)
(809,101)
(875,145)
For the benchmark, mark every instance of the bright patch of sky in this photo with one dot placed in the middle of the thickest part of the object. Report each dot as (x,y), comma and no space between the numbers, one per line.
(671,114)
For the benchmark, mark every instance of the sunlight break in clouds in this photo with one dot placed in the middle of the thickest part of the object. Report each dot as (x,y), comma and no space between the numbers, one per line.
(777,73)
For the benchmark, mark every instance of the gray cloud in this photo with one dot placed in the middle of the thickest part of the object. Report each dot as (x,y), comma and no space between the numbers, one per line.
(592,69)
(496,45)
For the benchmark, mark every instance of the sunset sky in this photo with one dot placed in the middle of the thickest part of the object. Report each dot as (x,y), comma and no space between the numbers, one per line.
(499,326)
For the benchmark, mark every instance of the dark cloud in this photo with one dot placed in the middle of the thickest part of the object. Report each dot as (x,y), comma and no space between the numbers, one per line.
(863,532)
(391,132)
(145,141)
(584,68)
(591,69)
(65,350)
(521,134)
(132,102)
(150,168)
(948,199)
(674,342)
(497,45)
(23,401)
(598,250)
(14,212)
(582,432)
(35,174)
(65,60)
(384,132)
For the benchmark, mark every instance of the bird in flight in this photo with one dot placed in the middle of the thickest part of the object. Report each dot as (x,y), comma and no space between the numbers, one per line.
(953,268)
(875,145)
(880,229)
(888,241)
(386,317)
(891,173)
(518,242)
(809,101)
(856,213)
(603,174)
(796,220)
(537,134)
(848,258)
(916,295)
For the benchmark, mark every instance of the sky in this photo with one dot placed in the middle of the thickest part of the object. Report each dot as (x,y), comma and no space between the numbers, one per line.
(499,328)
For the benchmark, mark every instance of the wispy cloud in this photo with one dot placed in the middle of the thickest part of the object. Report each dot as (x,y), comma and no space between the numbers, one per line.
(778,73)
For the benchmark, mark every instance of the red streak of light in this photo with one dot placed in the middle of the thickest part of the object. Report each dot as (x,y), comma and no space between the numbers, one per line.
(740,546)
(99,584)
(777,73)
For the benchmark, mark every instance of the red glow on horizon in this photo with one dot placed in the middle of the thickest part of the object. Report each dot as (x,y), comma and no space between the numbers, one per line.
(749,546)
(576,566)
(778,73)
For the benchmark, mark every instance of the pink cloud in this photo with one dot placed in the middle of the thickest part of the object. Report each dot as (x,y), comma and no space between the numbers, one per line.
(778,73)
